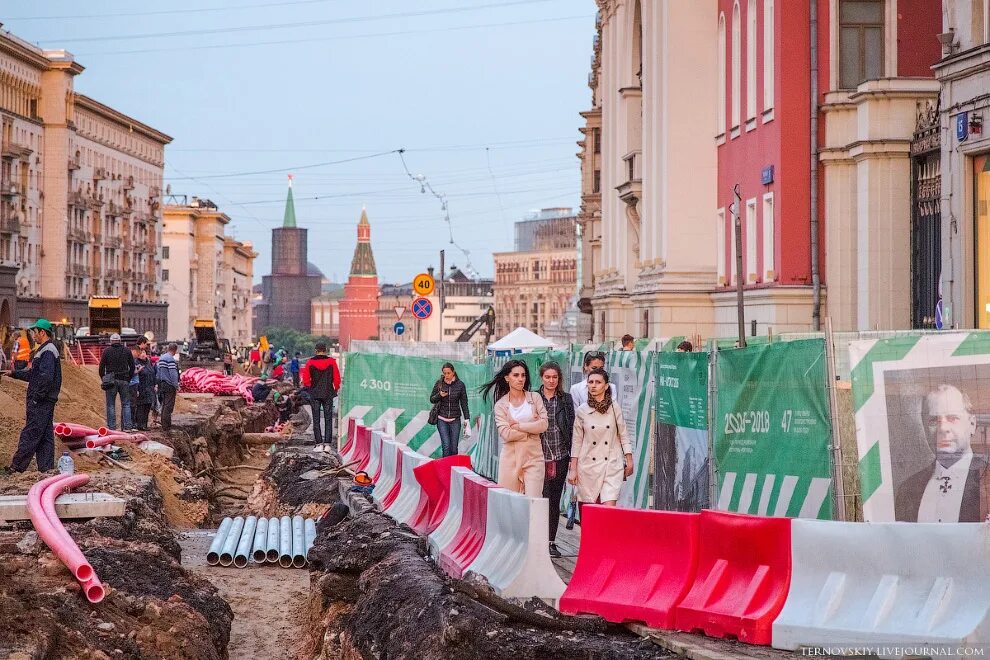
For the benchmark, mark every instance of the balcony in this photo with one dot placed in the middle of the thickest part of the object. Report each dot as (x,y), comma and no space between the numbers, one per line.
(77,199)
(10,225)
(10,189)
(129,183)
(79,270)
(11,149)
(77,235)
(113,209)
(99,174)
(73,164)
(112,241)
(631,191)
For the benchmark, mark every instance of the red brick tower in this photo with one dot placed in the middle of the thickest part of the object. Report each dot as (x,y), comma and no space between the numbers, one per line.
(359,308)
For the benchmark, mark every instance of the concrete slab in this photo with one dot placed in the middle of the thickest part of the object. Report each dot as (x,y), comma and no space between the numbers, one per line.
(69,505)
(152,447)
(196,395)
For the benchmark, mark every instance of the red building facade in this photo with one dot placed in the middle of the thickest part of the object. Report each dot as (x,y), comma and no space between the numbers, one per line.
(359,307)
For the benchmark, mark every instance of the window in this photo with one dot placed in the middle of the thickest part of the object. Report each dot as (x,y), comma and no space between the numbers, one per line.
(751,60)
(720,246)
(596,184)
(751,269)
(768,239)
(720,65)
(596,140)
(736,72)
(165,252)
(768,49)
(860,41)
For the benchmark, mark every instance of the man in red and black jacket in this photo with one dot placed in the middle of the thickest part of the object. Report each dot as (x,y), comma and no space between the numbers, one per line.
(322,377)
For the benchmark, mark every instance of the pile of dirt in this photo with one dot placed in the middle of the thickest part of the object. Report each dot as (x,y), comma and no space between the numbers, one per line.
(375,595)
(281,490)
(153,609)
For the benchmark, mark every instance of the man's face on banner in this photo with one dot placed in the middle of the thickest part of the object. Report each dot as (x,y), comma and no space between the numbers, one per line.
(950,425)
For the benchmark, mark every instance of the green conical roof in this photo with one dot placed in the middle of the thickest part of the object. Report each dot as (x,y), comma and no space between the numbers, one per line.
(289,220)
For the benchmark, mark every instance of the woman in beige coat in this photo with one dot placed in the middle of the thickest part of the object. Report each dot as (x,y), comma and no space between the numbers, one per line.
(601,454)
(520,417)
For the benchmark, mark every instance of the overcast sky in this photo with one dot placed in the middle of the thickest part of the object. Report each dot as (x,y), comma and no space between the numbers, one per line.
(336,80)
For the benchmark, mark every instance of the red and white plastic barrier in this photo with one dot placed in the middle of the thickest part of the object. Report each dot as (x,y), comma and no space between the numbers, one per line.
(410,493)
(457,555)
(197,379)
(515,555)
(374,466)
(434,480)
(894,585)
(347,449)
(633,564)
(451,523)
(390,475)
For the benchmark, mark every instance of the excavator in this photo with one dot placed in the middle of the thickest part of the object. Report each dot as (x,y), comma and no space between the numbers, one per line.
(486,321)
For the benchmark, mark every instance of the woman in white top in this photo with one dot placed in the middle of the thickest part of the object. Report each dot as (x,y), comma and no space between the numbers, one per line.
(579,391)
(601,454)
(520,417)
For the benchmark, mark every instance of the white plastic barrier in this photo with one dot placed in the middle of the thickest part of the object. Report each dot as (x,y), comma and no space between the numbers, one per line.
(375,454)
(405,504)
(350,443)
(895,585)
(515,557)
(447,529)
(390,469)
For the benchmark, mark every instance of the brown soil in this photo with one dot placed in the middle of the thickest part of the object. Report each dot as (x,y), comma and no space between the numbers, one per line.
(280,491)
(375,595)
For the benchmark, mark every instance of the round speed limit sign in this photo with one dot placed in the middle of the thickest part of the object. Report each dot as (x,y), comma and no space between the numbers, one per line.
(423,284)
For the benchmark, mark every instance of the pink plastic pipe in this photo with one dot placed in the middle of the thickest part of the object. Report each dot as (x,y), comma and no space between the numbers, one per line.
(92,587)
(78,430)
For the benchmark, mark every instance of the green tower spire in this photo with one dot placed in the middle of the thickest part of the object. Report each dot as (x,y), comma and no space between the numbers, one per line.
(290,208)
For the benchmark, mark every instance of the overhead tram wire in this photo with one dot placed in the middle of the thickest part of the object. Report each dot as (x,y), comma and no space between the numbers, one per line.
(290,169)
(164,12)
(498,196)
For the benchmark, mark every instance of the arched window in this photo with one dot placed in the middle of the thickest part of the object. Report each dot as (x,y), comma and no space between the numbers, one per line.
(720,65)
(736,64)
(751,60)
(768,54)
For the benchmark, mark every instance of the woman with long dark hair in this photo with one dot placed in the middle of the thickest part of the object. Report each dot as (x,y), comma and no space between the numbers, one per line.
(601,454)
(556,441)
(450,398)
(520,417)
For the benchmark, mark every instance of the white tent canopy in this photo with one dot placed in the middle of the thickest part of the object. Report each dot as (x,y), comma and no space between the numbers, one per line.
(520,339)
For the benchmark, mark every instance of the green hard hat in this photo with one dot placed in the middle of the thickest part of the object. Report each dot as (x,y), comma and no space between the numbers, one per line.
(42,324)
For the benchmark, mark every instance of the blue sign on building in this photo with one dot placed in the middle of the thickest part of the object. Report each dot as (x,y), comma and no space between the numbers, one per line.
(962,126)
(766,175)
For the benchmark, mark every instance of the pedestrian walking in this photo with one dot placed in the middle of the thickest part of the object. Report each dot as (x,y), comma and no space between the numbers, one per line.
(601,454)
(322,378)
(44,379)
(167,372)
(556,442)
(22,350)
(294,369)
(579,391)
(143,390)
(116,371)
(520,417)
(449,398)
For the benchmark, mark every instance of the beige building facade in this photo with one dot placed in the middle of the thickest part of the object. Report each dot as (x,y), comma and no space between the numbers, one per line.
(205,273)
(80,187)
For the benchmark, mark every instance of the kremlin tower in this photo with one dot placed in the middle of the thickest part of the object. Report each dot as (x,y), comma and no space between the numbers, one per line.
(359,307)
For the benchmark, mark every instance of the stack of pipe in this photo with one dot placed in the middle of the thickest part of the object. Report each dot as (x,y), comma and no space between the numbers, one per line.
(80,436)
(285,541)
(197,379)
(41,509)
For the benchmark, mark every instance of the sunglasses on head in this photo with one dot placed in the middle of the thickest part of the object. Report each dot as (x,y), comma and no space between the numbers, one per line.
(595,355)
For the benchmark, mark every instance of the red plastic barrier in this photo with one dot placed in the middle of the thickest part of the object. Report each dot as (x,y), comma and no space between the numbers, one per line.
(633,565)
(744,572)
(362,450)
(434,478)
(466,545)
(393,492)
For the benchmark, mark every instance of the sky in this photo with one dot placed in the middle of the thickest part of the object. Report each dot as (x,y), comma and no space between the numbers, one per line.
(483,96)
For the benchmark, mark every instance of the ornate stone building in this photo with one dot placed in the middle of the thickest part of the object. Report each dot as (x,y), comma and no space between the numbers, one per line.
(80,187)
(359,307)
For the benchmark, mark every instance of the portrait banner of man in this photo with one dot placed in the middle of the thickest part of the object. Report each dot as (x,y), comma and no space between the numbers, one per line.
(922,406)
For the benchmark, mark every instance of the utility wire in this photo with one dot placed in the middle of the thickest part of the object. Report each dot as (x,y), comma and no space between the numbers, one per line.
(164,12)
(284,26)
(284,169)
(498,196)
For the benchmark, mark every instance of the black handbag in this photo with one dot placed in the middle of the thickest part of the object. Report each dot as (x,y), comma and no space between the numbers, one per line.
(107,382)
(434,414)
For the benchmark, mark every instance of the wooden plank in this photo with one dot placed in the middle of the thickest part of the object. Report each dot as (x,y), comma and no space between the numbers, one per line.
(195,395)
(69,505)
(699,647)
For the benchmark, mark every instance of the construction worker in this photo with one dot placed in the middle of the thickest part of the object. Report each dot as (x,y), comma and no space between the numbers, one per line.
(22,350)
(44,380)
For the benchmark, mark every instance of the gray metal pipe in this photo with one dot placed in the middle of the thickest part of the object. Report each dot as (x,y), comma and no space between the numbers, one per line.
(285,542)
(244,545)
(271,556)
(213,554)
(260,548)
(298,542)
(310,535)
(230,544)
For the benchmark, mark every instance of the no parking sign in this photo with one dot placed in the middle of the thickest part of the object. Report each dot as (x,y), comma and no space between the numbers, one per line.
(422,308)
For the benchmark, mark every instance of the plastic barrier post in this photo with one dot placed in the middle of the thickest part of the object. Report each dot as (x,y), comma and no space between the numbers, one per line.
(374,466)
(348,449)
(887,584)
(633,565)
(407,499)
(470,538)
(515,557)
(451,523)
(434,479)
(744,569)
(362,449)
(390,474)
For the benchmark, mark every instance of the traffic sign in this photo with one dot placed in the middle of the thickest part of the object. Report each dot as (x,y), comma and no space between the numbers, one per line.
(399,311)
(423,284)
(422,308)
(399,327)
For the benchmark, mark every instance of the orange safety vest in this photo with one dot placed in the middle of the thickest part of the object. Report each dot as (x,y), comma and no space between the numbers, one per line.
(23,349)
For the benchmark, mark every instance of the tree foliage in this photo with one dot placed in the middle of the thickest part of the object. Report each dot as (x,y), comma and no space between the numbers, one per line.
(292,340)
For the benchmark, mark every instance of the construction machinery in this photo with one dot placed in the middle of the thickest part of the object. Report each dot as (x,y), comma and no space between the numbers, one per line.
(105,319)
(208,349)
(486,321)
